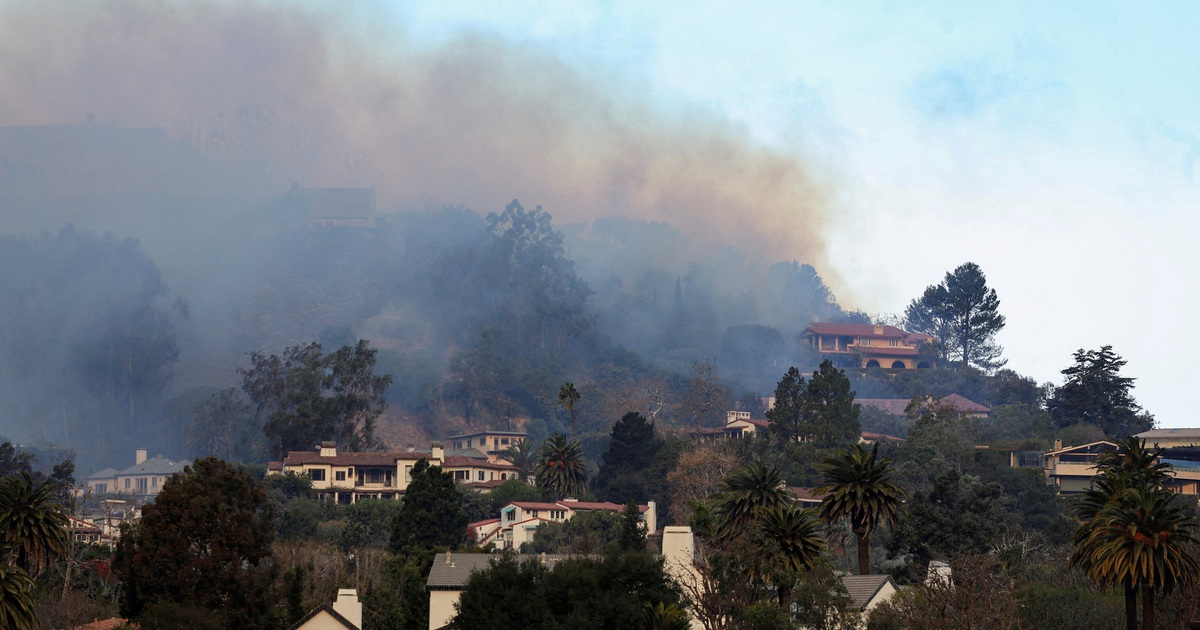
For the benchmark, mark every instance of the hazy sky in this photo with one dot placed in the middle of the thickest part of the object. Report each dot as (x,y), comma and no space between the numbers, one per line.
(1054,144)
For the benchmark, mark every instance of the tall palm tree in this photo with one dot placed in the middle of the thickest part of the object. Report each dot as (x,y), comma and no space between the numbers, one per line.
(16,597)
(561,470)
(797,533)
(859,486)
(521,456)
(32,521)
(1131,483)
(1139,539)
(747,492)
(567,396)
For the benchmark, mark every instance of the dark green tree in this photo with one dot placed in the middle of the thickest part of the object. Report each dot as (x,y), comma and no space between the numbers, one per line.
(787,416)
(205,542)
(431,513)
(632,468)
(964,314)
(16,598)
(745,494)
(522,456)
(858,486)
(588,532)
(308,396)
(567,397)
(828,411)
(798,537)
(225,427)
(561,471)
(1096,393)
(32,521)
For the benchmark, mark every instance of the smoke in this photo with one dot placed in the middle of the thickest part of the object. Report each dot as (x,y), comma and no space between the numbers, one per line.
(343,97)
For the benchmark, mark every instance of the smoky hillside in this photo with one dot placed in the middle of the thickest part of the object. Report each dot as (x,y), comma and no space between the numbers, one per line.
(183,184)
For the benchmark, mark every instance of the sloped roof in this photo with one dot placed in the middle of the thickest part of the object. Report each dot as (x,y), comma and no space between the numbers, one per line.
(327,609)
(104,473)
(534,505)
(804,494)
(881,437)
(451,570)
(897,406)
(1184,434)
(157,465)
(1092,447)
(862,588)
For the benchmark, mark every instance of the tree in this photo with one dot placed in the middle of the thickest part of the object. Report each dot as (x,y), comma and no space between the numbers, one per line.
(16,598)
(431,513)
(696,475)
(858,486)
(1096,393)
(561,470)
(797,534)
(521,456)
(1131,533)
(749,491)
(205,542)
(32,522)
(830,415)
(308,396)
(224,427)
(787,416)
(567,397)
(963,314)
(632,465)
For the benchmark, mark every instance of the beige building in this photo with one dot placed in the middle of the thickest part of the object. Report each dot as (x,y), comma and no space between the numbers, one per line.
(867,345)
(519,520)
(449,574)
(344,614)
(491,443)
(141,482)
(1170,438)
(1072,469)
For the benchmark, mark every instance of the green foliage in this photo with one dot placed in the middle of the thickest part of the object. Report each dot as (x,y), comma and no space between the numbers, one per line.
(588,532)
(633,535)
(787,416)
(748,492)
(830,415)
(522,456)
(1095,393)
(290,485)
(205,543)
(225,427)
(308,396)
(963,314)
(16,598)
(633,466)
(567,397)
(580,593)
(858,486)
(369,523)
(32,521)
(561,470)
(431,513)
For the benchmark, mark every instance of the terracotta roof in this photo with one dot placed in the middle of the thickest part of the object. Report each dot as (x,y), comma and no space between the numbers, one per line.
(591,505)
(461,462)
(963,404)
(804,494)
(533,505)
(103,624)
(862,588)
(482,523)
(274,465)
(487,485)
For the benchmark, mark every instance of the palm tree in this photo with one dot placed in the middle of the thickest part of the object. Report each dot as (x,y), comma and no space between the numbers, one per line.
(567,395)
(16,596)
(520,455)
(747,492)
(1139,539)
(561,470)
(1130,494)
(797,533)
(32,521)
(857,485)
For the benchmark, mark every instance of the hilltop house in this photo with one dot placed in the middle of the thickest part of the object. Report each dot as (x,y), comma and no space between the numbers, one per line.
(348,477)
(490,443)
(899,406)
(738,424)
(142,481)
(867,346)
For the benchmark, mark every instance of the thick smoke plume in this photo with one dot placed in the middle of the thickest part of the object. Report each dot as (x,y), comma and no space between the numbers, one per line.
(331,98)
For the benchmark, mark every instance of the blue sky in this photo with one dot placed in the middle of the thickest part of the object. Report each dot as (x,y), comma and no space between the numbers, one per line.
(1054,144)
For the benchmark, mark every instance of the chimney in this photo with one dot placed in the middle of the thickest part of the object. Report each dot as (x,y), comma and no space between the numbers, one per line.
(1058,445)
(348,606)
(650,517)
(437,453)
(879,330)
(411,448)
(139,456)
(328,449)
(677,552)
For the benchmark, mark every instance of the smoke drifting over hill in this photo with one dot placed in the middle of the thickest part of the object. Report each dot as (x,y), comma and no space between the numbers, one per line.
(331,97)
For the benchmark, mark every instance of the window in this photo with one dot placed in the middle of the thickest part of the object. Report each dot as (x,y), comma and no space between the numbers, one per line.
(101,488)
(893,342)
(154,482)
(558,514)
(127,483)
(469,443)
(316,474)
(504,440)
(141,484)
(351,473)
(458,445)
(339,475)
(462,475)
(408,474)
(481,476)
(533,513)
(864,342)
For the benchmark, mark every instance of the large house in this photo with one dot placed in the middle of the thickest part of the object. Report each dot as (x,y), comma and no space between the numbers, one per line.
(738,424)
(141,482)
(491,443)
(347,477)
(867,345)
(1072,469)
(519,520)
(1168,438)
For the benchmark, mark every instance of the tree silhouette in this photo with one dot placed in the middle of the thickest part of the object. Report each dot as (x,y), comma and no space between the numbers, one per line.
(567,396)
(858,486)
(521,456)
(964,314)
(747,492)
(32,521)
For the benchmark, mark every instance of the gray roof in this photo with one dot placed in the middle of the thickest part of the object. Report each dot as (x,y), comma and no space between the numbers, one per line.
(1169,433)
(106,473)
(473,453)
(451,570)
(862,588)
(157,465)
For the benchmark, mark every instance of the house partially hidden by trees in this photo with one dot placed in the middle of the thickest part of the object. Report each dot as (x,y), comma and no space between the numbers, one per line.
(1073,469)
(491,443)
(142,481)
(900,406)
(347,477)
(868,346)
(520,520)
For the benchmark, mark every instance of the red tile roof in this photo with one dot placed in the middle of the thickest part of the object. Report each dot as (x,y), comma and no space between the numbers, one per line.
(533,505)
(487,521)
(804,494)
